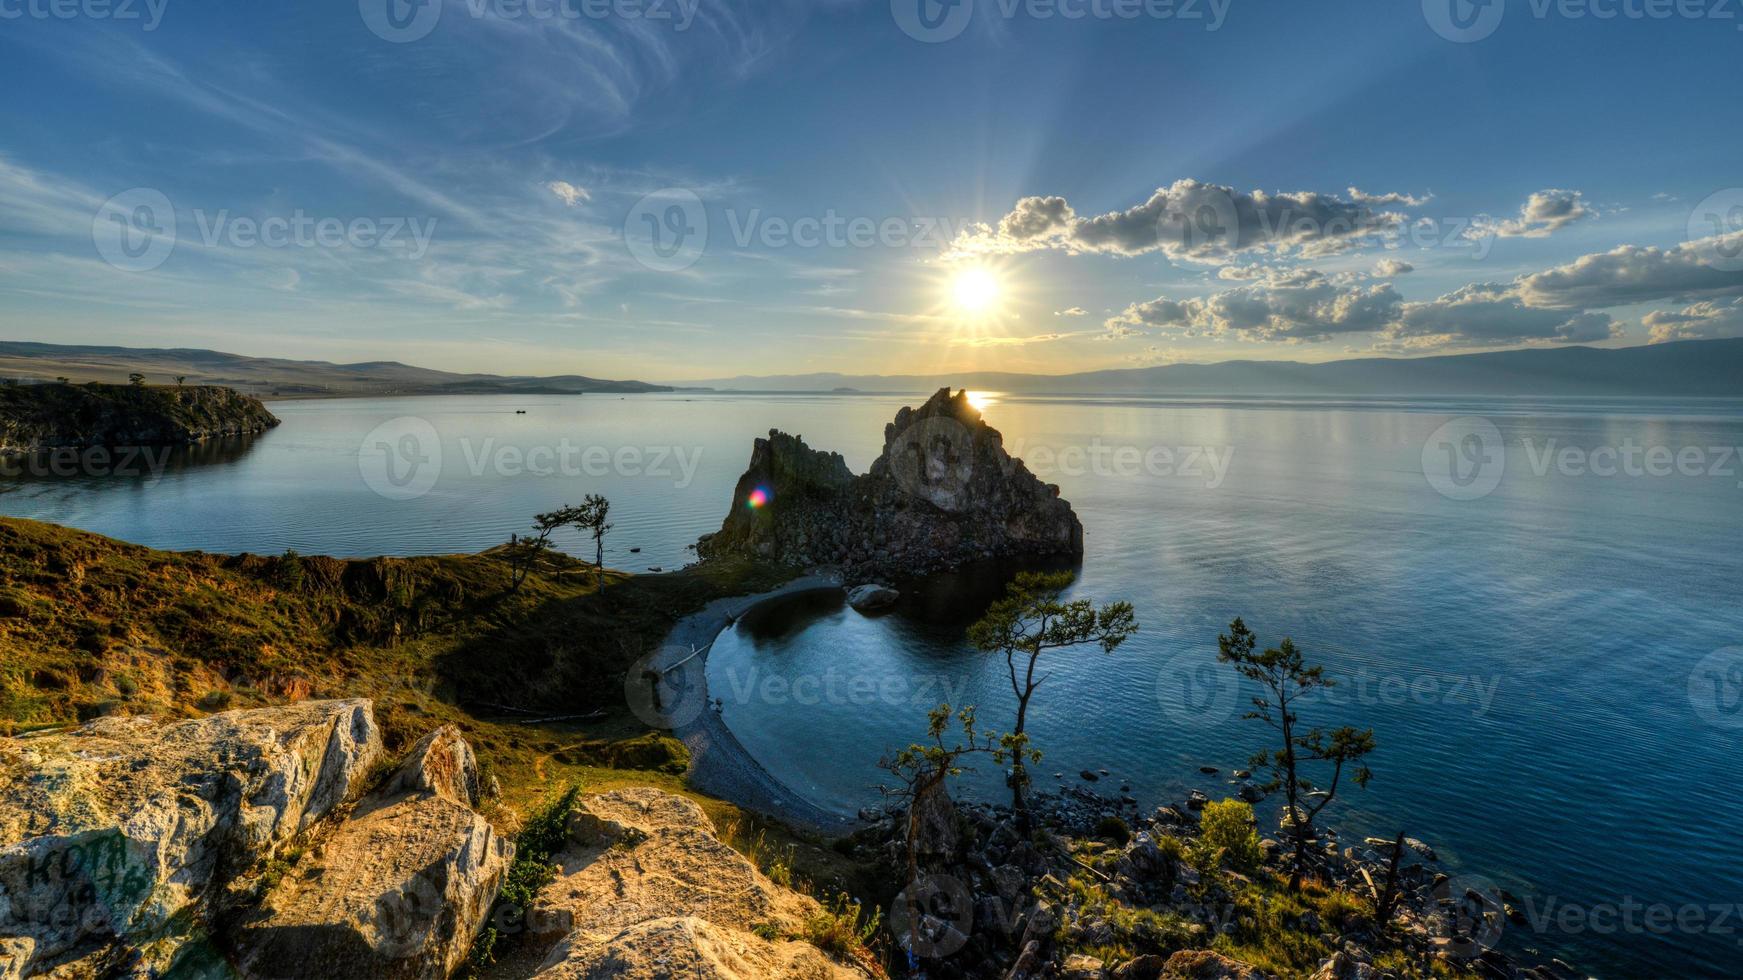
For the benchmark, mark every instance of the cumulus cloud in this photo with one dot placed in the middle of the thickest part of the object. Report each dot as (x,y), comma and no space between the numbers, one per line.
(1074,311)
(1545,213)
(1702,321)
(1189,220)
(569,193)
(1388,200)
(1634,274)
(1494,314)
(1299,305)
(1390,268)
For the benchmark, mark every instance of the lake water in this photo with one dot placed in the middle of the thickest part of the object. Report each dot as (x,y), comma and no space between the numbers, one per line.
(1546,653)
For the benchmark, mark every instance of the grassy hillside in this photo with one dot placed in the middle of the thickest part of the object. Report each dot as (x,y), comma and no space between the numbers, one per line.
(92,626)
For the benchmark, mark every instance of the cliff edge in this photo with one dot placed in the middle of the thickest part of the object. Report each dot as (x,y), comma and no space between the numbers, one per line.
(37,418)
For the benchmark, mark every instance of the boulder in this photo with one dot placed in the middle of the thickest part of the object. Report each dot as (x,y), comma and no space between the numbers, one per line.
(677,869)
(872,598)
(1202,964)
(689,947)
(114,834)
(398,889)
(943,493)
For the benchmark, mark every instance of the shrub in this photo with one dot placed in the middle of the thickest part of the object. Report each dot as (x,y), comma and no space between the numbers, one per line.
(841,929)
(1228,829)
(1113,829)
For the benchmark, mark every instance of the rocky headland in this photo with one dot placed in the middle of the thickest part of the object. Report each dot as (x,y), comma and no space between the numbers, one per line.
(944,492)
(37,418)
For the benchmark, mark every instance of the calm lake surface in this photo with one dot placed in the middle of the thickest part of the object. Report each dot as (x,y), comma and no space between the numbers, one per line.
(1545,664)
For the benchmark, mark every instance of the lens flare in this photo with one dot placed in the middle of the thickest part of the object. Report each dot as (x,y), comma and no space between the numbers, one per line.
(759,498)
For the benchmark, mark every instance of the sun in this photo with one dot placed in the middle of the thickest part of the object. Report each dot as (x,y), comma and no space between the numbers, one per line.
(976,290)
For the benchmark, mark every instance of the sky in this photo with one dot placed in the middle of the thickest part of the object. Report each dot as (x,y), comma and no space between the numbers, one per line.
(693,189)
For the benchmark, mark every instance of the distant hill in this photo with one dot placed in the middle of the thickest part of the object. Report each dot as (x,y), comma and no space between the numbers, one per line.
(1690,368)
(271,377)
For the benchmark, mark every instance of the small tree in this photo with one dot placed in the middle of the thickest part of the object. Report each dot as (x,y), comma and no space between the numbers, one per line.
(1286,677)
(64,380)
(1032,619)
(136,379)
(179,379)
(590,519)
(922,769)
(523,552)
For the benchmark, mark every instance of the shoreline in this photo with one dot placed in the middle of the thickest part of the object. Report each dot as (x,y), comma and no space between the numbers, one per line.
(720,765)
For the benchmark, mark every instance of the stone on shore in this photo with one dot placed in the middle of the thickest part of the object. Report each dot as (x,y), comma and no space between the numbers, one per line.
(114,833)
(872,598)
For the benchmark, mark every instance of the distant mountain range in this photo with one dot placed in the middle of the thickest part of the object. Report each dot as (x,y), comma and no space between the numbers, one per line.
(271,377)
(1691,368)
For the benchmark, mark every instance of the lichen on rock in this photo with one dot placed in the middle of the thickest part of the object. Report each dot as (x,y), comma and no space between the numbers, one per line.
(943,493)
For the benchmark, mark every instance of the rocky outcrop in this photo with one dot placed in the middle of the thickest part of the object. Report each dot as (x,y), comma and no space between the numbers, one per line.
(944,492)
(41,417)
(114,836)
(646,889)
(398,889)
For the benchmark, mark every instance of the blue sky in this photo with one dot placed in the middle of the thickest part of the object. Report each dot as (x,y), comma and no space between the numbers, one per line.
(614,188)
